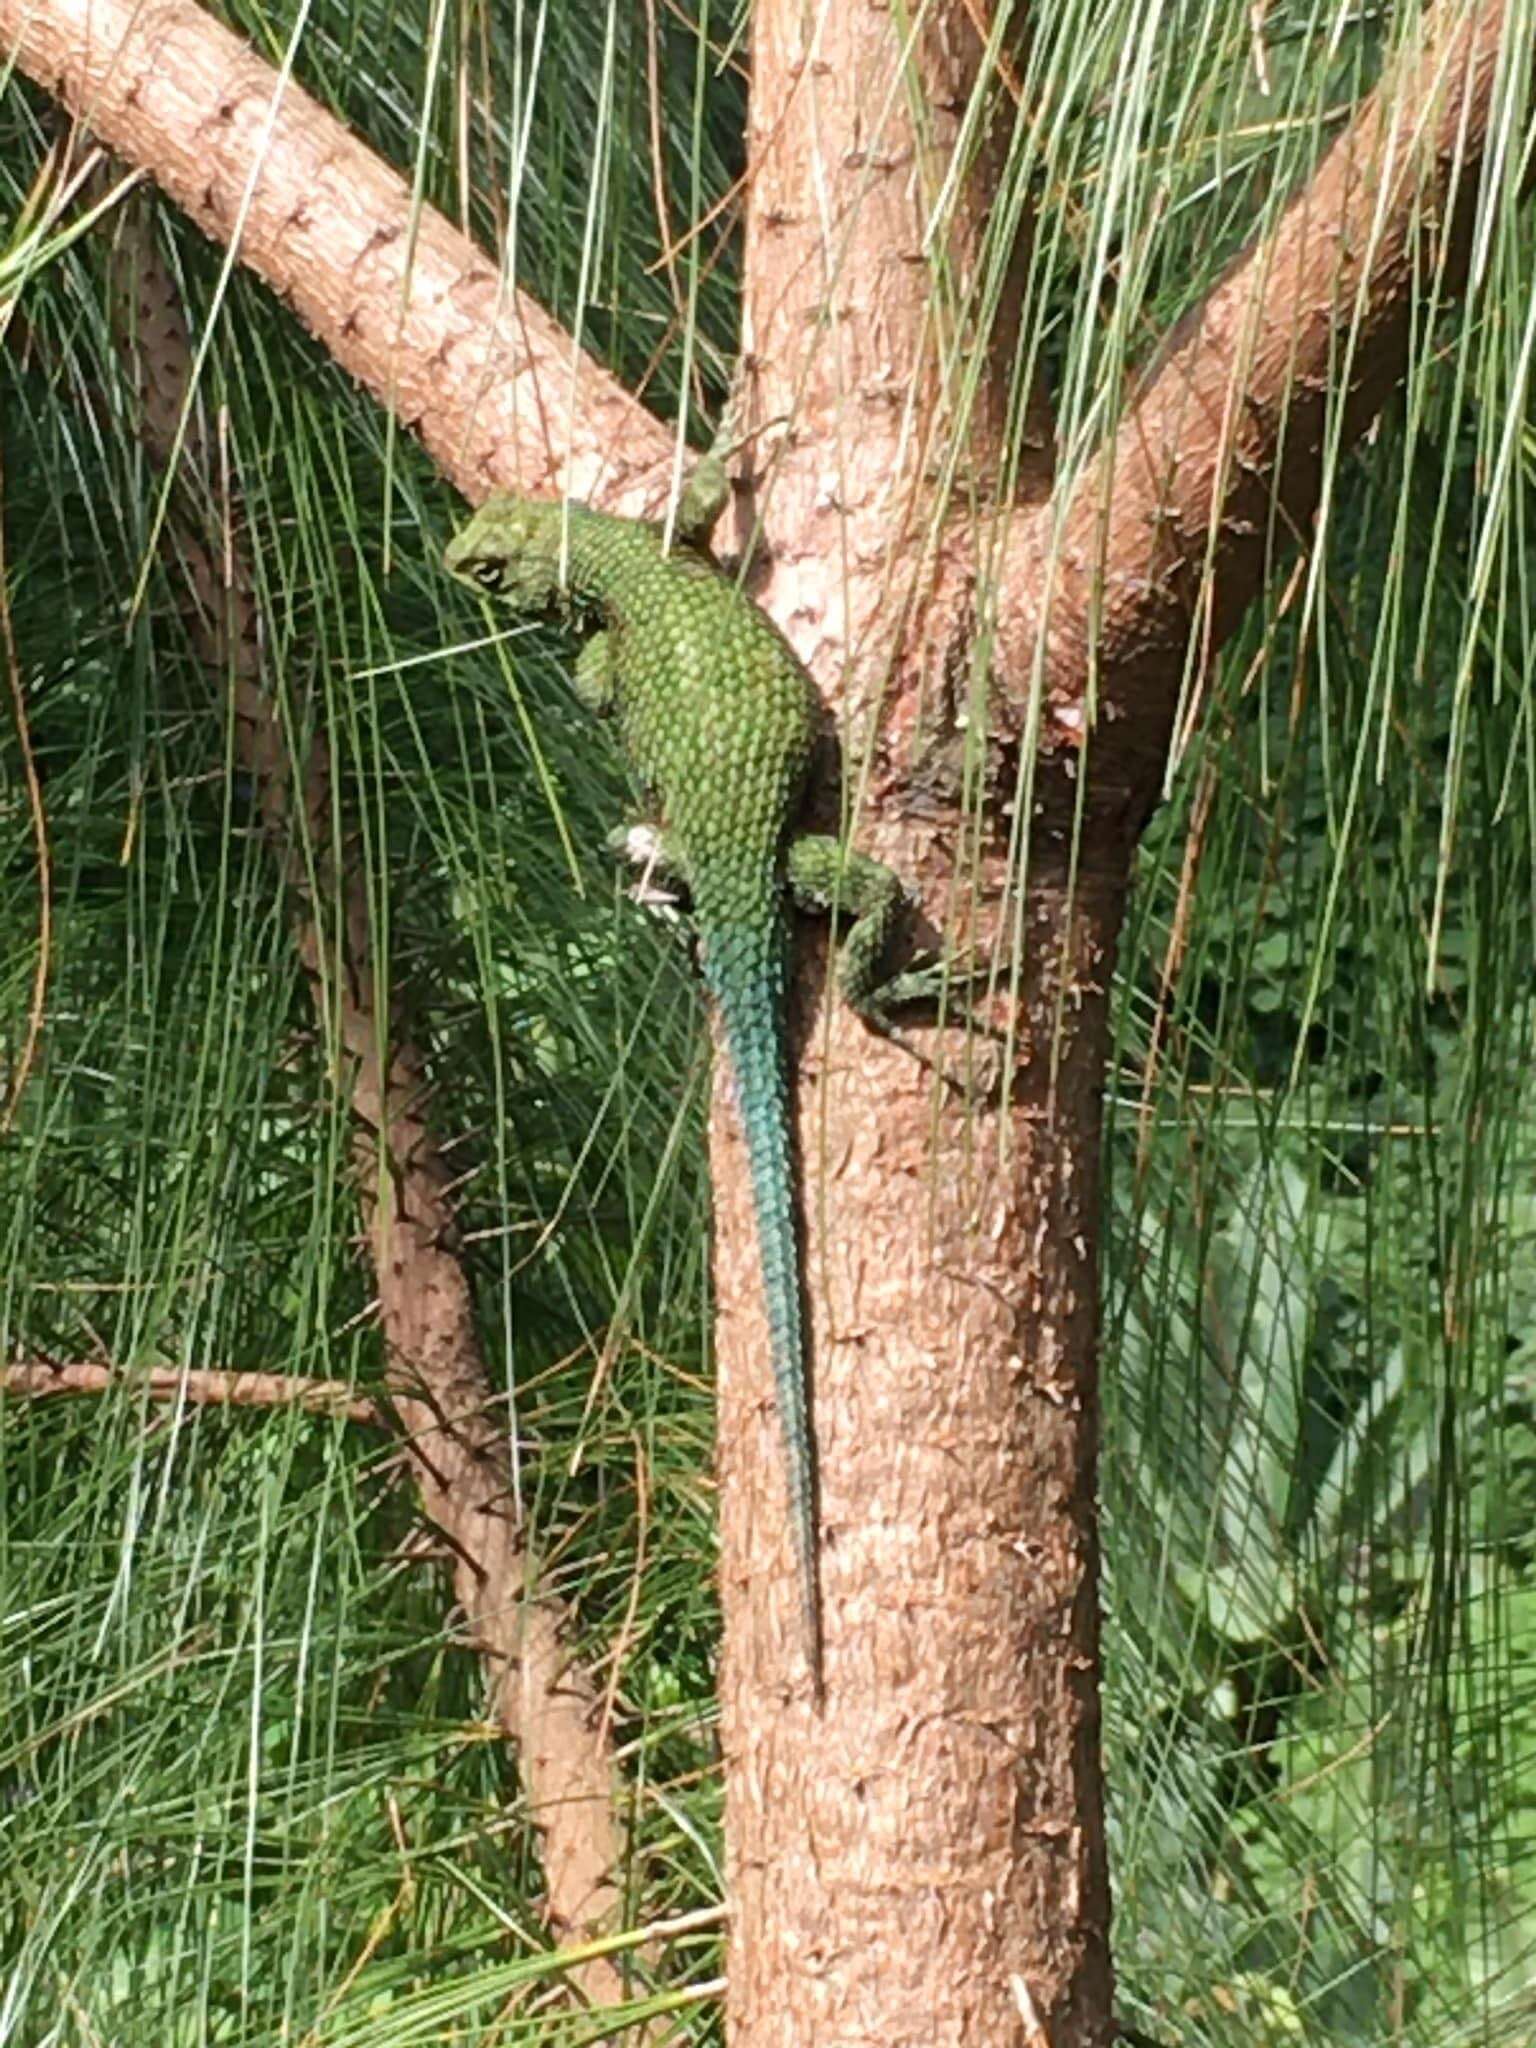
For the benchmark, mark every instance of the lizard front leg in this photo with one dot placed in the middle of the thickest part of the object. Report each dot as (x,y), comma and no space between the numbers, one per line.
(663,873)
(595,681)
(595,677)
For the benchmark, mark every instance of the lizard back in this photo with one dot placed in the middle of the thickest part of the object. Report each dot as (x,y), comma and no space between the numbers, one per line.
(718,718)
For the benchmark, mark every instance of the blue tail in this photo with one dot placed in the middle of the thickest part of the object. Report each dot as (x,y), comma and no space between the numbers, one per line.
(745,969)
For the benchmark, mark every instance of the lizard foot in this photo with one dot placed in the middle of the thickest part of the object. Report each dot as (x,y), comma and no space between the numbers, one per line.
(661,884)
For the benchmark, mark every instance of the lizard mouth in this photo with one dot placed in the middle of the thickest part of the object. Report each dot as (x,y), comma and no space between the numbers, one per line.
(534,598)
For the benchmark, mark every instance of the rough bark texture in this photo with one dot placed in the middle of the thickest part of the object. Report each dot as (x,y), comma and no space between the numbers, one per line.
(424,320)
(923,1863)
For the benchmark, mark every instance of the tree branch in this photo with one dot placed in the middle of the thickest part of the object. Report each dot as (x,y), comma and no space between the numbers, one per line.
(42,1379)
(1219,464)
(494,387)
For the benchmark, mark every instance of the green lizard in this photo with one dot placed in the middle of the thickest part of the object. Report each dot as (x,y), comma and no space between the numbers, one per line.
(718,718)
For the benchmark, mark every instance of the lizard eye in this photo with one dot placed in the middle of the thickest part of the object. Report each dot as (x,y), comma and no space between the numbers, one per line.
(488,575)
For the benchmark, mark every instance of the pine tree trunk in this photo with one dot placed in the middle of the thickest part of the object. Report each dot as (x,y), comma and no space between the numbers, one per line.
(920,1863)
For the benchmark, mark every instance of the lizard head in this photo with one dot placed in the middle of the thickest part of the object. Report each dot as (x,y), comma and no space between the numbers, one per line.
(512,549)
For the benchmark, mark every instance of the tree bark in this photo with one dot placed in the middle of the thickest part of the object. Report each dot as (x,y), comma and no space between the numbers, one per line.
(1218,468)
(921,1862)
(205,1386)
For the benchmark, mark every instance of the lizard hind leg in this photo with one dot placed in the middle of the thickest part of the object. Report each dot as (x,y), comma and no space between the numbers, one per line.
(826,876)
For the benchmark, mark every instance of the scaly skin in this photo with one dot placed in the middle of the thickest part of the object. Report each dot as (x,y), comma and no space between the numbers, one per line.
(718,717)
